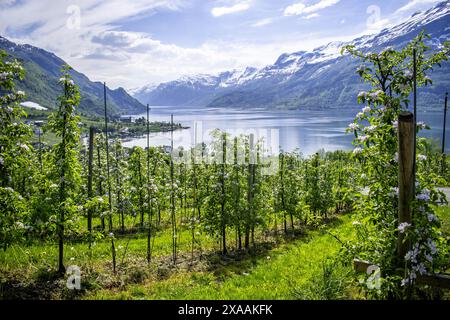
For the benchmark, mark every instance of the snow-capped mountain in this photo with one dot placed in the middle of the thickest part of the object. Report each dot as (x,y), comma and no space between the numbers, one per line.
(319,78)
(194,90)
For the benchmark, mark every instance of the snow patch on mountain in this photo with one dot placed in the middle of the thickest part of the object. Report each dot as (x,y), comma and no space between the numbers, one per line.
(290,66)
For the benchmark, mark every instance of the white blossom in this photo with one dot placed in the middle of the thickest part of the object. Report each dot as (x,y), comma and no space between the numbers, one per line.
(420,268)
(4,75)
(363,139)
(376,95)
(357,151)
(422,157)
(403,226)
(424,195)
(353,126)
(432,246)
(412,255)
(366,110)
(360,115)
(394,192)
(422,125)
(432,217)
(20,225)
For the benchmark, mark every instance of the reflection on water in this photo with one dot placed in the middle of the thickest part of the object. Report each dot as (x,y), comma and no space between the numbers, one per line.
(306,130)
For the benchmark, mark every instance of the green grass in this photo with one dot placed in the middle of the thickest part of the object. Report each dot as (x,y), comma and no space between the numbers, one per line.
(444,214)
(292,267)
(286,272)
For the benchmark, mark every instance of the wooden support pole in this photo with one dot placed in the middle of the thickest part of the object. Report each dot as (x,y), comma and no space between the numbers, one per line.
(361,265)
(90,175)
(415,116)
(444,132)
(406,177)
(433,280)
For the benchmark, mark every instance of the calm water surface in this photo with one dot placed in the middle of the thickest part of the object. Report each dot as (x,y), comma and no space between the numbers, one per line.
(306,130)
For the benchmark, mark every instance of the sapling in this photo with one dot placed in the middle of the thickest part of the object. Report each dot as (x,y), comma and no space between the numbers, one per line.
(64,123)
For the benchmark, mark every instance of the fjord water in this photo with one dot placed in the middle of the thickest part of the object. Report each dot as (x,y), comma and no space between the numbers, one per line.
(306,130)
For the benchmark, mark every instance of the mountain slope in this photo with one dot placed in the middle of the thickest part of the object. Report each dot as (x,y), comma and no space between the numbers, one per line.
(321,78)
(42,72)
(194,90)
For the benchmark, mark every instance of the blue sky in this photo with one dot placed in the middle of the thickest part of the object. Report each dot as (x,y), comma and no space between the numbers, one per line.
(131,43)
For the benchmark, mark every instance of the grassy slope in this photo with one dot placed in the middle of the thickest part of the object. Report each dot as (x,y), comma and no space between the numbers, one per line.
(280,274)
(293,269)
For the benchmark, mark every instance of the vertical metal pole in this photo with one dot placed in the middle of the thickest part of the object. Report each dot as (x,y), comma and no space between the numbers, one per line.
(172,197)
(222,178)
(107,160)
(149,235)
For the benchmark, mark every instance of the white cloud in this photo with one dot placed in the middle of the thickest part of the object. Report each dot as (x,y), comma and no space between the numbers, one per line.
(238,7)
(416,4)
(96,48)
(300,8)
(312,16)
(132,59)
(295,9)
(262,22)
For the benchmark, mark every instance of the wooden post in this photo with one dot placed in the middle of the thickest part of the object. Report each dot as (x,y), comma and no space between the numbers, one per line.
(406,134)
(40,149)
(443,135)
(89,186)
(415,118)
